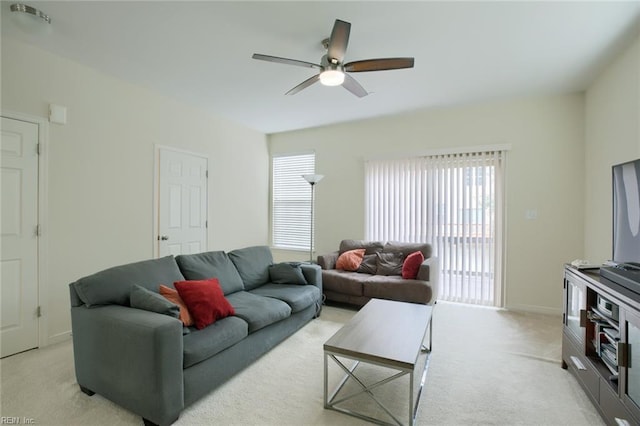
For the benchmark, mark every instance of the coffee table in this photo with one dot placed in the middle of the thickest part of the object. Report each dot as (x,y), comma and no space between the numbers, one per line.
(383,333)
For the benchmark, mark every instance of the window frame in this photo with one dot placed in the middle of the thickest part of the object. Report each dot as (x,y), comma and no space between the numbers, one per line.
(301,214)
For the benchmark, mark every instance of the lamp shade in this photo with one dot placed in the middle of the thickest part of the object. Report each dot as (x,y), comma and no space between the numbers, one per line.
(313,179)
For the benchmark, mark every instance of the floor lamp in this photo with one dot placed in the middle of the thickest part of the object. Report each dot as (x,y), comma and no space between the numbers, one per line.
(312,179)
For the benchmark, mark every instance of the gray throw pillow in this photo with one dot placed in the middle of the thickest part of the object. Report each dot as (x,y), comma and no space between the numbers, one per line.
(369,264)
(389,264)
(141,298)
(287,273)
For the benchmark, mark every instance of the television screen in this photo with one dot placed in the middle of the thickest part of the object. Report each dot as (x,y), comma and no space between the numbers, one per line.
(626,213)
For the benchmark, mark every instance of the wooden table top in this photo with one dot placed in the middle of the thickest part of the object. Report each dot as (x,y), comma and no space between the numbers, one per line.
(383,331)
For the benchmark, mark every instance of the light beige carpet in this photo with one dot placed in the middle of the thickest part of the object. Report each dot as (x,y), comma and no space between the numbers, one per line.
(488,367)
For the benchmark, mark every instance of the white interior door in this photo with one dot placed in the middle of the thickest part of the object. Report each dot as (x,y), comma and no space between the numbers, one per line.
(182,203)
(19,253)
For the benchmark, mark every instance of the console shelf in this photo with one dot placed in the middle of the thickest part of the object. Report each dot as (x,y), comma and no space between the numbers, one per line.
(601,324)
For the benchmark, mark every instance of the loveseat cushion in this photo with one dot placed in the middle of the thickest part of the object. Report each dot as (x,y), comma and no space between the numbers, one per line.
(212,264)
(252,264)
(371,247)
(389,264)
(298,297)
(397,288)
(202,344)
(113,285)
(343,282)
(407,248)
(258,311)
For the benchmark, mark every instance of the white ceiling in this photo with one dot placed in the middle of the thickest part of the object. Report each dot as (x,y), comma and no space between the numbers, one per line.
(465,52)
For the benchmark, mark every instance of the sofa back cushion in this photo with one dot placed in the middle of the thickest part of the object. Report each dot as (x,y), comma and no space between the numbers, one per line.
(113,286)
(371,247)
(212,264)
(405,249)
(253,265)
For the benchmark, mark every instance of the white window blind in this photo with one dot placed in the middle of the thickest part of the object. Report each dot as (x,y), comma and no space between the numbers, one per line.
(291,201)
(454,202)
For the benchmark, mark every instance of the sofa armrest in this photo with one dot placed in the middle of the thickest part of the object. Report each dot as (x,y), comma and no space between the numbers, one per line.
(328,261)
(430,271)
(132,357)
(313,274)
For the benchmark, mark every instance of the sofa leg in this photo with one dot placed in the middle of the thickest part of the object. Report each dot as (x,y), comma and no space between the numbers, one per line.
(87,391)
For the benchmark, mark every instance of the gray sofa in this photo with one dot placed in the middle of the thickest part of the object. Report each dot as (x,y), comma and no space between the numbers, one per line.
(152,365)
(358,287)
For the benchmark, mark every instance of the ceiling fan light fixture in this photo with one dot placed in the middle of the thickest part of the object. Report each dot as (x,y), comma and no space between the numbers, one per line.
(332,77)
(21,8)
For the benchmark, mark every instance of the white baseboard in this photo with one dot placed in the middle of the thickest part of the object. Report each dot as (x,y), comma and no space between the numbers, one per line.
(60,337)
(535,309)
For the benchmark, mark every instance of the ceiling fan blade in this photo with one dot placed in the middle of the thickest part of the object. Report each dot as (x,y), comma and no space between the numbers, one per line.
(339,40)
(285,61)
(308,82)
(379,64)
(353,86)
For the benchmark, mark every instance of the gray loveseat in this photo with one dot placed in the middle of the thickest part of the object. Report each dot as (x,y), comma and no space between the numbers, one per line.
(152,365)
(369,281)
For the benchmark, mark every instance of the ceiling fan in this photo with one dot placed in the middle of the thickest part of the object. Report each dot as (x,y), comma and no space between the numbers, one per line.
(333,70)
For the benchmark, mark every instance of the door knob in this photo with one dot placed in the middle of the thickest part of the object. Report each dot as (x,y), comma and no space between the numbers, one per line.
(163,237)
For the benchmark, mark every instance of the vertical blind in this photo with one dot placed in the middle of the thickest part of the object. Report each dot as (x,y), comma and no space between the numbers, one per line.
(291,201)
(454,202)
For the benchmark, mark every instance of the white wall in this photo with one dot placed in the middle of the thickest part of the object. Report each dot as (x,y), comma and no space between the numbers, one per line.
(612,137)
(100,168)
(545,170)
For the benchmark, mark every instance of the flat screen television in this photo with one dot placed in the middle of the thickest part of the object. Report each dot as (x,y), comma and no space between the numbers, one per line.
(626,213)
(626,227)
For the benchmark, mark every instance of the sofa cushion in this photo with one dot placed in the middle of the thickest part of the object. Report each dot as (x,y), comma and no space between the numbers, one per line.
(407,248)
(369,264)
(202,344)
(397,288)
(213,264)
(205,301)
(287,273)
(350,260)
(253,265)
(298,297)
(141,298)
(343,281)
(389,264)
(411,265)
(258,311)
(371,247)
(113,285)
(172,295)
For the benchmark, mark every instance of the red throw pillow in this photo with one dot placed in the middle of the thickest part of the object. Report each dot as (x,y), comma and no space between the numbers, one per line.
(205,300)
(350,260)
(172,296)
(411,265)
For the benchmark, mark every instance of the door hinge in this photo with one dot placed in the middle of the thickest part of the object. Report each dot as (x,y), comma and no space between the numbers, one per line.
(38,148)
(206,173)
(39,311)
(38,230)
(206,224)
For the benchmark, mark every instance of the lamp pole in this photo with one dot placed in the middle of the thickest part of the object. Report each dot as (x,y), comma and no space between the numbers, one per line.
(312,179)
(313,190)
